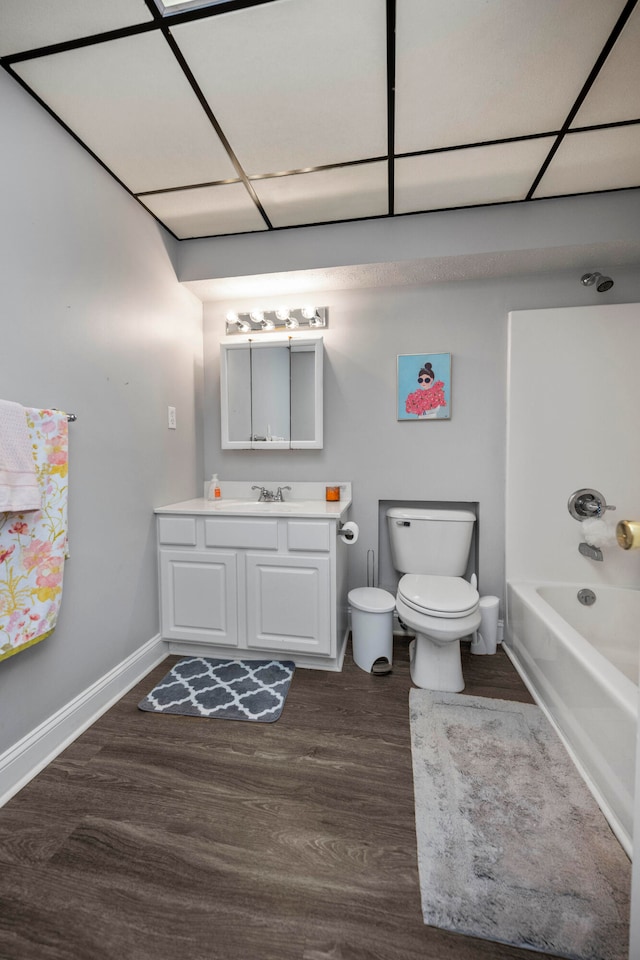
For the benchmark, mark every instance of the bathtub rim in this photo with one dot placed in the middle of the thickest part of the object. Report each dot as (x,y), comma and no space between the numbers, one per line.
(617,684)
(628,697)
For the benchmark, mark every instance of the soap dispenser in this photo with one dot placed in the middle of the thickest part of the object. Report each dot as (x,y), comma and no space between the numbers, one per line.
(214,488)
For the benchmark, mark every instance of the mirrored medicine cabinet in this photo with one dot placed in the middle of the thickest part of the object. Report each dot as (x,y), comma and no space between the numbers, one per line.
(271,392)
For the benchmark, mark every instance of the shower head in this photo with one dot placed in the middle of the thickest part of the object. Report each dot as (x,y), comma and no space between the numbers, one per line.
(602,283)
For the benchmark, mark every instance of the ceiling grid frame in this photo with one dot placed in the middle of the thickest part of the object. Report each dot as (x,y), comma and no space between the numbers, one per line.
(163,24)
(606,50)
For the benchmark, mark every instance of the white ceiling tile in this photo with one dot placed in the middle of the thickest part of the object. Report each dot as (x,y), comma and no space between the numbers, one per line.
(29,24)
(206,211)
(129,101)
(459,178)
(615,94)
(296,83)
(343,193)
(300,84)
(470,71)
(594,160)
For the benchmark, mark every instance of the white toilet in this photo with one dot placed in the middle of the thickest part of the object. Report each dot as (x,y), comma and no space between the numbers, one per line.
(431,549)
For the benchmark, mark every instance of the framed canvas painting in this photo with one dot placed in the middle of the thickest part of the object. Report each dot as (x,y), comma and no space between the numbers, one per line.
(424,386)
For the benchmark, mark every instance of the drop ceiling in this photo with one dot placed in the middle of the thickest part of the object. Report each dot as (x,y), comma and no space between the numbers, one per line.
(257,115)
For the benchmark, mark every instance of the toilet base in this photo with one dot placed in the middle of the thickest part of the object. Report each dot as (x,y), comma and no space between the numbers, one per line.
(436,666)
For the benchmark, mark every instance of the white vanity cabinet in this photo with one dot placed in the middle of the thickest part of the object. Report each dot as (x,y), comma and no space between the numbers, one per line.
(274,585)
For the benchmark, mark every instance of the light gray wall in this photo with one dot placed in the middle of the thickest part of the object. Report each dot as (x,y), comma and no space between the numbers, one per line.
(519,237)
(94,322)
(461,459)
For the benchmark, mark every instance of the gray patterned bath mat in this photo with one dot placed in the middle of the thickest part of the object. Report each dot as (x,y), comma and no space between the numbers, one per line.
(511,845)
(225,689)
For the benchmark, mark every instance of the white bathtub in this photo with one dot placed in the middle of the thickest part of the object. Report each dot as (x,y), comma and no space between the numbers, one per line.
(581,665)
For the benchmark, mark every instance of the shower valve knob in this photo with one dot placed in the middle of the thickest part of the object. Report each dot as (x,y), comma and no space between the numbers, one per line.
(586,503)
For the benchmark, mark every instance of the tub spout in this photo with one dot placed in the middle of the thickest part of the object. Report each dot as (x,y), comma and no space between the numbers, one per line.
(594,553)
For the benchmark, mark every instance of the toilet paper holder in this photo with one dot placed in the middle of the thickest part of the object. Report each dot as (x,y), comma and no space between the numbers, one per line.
(587,503)
(348,533)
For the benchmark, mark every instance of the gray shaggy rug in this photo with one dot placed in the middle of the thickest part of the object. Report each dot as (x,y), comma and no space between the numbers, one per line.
(512,847)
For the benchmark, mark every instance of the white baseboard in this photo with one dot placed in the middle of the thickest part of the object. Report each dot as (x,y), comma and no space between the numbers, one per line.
(26,758)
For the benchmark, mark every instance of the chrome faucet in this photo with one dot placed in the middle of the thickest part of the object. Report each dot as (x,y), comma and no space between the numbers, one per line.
(266,496)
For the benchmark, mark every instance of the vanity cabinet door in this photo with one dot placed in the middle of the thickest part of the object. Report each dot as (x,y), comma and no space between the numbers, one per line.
(199,596)
(289,603)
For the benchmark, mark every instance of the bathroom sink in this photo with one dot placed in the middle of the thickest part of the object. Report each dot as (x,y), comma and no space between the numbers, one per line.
(278,508)
(243,506)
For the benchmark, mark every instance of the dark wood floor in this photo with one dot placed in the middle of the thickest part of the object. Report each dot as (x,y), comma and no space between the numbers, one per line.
(161,838)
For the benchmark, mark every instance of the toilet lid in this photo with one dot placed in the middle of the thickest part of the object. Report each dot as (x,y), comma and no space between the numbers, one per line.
(441,596)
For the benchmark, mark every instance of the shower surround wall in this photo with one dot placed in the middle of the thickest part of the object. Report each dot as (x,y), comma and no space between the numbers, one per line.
(574,397)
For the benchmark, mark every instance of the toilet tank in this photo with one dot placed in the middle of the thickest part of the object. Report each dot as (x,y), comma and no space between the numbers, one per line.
(434,542)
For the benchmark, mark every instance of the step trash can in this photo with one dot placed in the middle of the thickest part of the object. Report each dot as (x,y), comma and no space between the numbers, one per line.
(372,628)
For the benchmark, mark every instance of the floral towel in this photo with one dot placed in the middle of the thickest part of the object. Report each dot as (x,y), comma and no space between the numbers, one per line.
(33,544)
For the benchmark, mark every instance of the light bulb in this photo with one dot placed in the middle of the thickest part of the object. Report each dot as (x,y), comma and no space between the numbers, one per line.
(291,323)
(257,316)
(283,313)
(244,326)
(308,312)
(267,323)
(232,317)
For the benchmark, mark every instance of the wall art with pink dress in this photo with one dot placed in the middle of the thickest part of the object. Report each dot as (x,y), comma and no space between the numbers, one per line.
(424,386)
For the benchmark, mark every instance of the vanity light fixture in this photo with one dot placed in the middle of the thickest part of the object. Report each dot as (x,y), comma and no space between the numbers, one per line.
(284,315)
(263,323)
(284,318)
(233,320)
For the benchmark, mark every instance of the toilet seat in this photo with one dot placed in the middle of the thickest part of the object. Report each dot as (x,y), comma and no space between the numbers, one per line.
(446,597)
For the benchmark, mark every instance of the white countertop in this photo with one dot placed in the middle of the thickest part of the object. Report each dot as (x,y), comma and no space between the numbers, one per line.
(304,500)
(250,508)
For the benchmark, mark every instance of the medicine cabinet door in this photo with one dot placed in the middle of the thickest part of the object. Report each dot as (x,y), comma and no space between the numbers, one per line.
(271,393)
